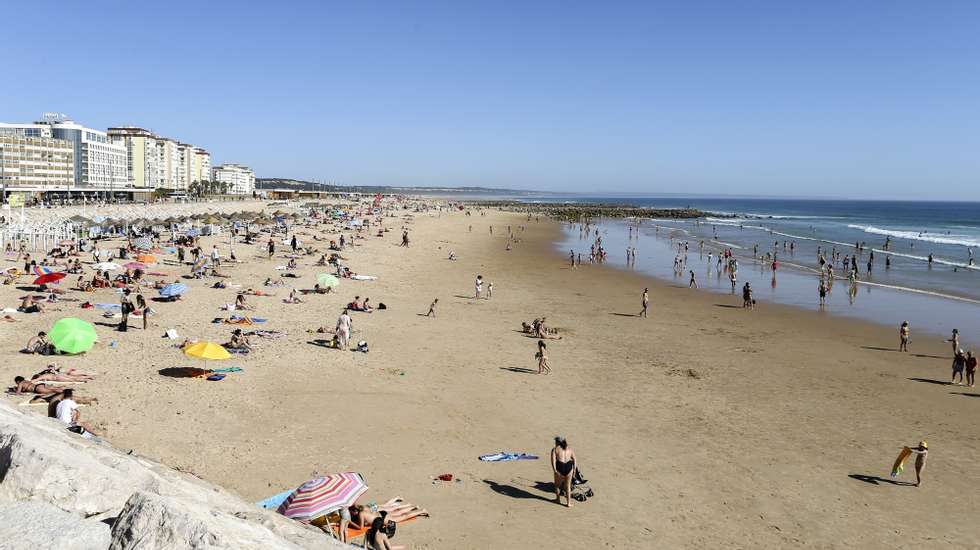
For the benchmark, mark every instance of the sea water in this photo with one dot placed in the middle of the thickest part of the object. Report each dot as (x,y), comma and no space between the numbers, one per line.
(934,297)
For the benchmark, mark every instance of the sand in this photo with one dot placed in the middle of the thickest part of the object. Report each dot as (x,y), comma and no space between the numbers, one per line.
(704,426)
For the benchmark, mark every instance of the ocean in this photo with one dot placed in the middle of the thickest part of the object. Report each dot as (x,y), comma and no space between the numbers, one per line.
(896,237)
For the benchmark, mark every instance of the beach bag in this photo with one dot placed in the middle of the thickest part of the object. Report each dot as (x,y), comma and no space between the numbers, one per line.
(362,346)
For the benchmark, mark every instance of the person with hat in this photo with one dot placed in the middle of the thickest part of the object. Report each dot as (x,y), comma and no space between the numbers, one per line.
(921,454)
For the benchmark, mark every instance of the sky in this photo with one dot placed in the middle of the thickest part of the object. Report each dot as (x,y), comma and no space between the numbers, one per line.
(876,99)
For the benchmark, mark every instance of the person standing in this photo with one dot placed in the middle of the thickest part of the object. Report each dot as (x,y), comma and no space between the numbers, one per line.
(125,307)
(959,365)
(971,369)
(747,300)
(822,291)
(478,286)
(215,256)
(292,243)
(563,465)
(955,340)
(343,330)
(645,302)
(903,334)
(272,247)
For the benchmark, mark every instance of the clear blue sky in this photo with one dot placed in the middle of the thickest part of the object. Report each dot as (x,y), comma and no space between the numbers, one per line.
(854,99)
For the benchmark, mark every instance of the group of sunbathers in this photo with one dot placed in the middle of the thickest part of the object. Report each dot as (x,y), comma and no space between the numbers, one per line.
(539,329)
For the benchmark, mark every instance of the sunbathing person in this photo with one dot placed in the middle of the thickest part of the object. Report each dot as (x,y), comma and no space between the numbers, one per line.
(28,305)
(270,282)
(22,385)
(293,298)
(240,302)
(322,261)
(39,344)
(238,341)
(51,373)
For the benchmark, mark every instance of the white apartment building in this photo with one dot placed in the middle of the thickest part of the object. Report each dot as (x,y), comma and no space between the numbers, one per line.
(240,178)
(161,162)
(30,159)
(98,163)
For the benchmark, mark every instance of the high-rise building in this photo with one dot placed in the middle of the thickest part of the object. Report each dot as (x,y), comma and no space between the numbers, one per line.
(99,163)
(142,168)
(239,178)
(201,170)
(161,162)
(31,159)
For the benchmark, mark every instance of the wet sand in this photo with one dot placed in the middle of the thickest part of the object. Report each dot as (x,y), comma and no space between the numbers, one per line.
(704,426)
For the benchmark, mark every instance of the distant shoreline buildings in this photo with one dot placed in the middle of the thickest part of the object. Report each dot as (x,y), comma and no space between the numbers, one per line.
(58,158)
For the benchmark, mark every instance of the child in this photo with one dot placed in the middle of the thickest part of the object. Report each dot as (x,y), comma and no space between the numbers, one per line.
(904,335)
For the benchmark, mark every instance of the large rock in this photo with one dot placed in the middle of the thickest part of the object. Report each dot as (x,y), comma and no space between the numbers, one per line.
(157,507)
(35,524)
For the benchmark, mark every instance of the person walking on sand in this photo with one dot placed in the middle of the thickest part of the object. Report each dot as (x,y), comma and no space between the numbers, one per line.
(645,302)
(489,289)
(272,247)
(571,257)
(478,286)
(432,308)
(903,334)
(542,357)
(293,243)
(563,465)
(125,307)
(694,282)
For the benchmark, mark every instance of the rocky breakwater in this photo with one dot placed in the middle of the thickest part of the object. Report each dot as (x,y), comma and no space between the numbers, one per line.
(58,490)
(582,212)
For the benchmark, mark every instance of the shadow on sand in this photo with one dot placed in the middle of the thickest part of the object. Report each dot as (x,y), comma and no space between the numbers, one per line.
(513,492)
(875,480)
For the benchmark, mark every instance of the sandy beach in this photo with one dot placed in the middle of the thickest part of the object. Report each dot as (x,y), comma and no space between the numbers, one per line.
(703,426)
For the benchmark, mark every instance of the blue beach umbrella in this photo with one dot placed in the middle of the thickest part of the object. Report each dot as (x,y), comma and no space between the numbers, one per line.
(173,289)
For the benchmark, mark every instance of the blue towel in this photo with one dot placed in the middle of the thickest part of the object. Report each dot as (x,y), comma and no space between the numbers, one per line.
(507,457)
(108,306)
(254,319)
(273,502)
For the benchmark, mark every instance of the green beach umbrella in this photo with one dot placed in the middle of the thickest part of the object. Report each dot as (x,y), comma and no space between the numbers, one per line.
(327,280)
(72,335)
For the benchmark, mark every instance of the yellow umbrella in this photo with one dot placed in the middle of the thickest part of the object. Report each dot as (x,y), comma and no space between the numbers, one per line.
(207,351)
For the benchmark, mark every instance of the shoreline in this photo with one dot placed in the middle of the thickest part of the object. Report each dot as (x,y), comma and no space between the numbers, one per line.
(697,427)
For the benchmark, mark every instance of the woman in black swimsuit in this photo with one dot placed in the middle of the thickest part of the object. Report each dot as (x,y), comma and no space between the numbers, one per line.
(563,465)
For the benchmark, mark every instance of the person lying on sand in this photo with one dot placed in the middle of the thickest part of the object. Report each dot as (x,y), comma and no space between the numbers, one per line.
(270,282)
(22,385)
(28,305)
(68,378)
(76,373)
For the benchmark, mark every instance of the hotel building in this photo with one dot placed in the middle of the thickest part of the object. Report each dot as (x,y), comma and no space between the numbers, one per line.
(240,178)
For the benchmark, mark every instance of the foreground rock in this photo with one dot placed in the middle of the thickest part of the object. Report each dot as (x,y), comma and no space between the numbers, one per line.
(58,490)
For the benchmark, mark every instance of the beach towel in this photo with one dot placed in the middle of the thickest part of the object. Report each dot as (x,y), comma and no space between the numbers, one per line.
(363,277)
(507,457)
(900,461)
(108,306)
(274,501)
(229,369)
